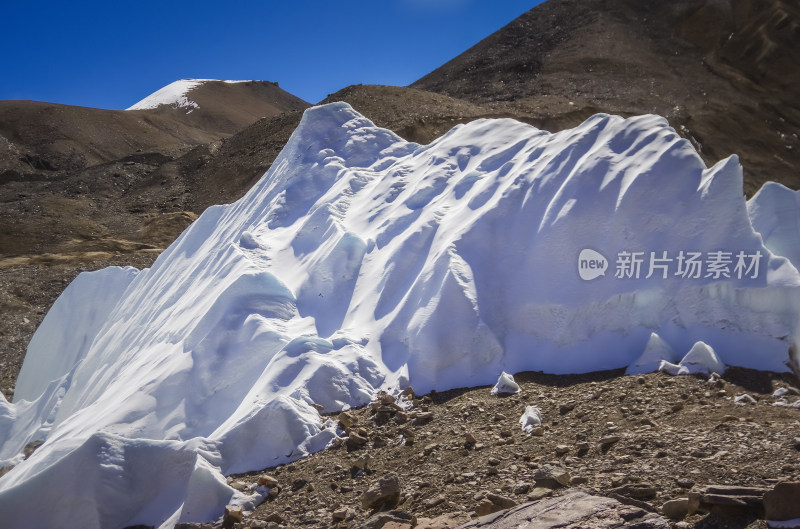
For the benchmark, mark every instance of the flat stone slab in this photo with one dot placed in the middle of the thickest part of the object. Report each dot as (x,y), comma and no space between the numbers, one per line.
(572,510)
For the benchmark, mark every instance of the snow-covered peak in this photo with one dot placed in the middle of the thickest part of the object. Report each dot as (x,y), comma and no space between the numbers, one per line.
(174,95)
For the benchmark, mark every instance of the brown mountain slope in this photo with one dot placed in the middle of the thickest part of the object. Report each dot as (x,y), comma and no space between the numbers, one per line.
(45,137)
(84,188)
(724,72)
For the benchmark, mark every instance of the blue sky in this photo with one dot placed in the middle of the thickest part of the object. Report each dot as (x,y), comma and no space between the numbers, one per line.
(112,54)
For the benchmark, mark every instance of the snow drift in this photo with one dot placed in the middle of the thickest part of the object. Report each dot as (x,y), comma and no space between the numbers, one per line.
(362,262)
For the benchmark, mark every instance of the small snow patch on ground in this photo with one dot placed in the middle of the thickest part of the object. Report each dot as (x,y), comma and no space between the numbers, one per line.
(530,419)
(505,385)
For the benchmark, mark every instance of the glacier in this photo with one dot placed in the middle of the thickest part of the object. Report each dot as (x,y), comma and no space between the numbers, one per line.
(361,262)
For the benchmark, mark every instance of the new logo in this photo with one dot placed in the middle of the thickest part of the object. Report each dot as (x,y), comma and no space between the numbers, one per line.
(591,264)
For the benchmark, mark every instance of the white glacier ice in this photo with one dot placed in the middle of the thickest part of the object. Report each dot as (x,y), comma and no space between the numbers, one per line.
(655,353)
(775,214)
(701,359)
(505,385)
(362,262)
(530,419)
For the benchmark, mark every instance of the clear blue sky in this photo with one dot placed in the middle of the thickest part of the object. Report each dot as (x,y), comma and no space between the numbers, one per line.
(111,54)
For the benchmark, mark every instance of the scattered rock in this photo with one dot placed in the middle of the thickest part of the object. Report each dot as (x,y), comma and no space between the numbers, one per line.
(343,514)
(561,449)
(355,441)
(385,493)
(638,491)
(445,521)
(606,442)
(420,418)
(347,419)
(521,488)
(241,486)
(783,502)
(385,399)
(298,483)
(726,500)
(392,524)
(539,492)
(5,470)
(274,518)
(433,502)
(31,447)
(361,463)
(572,509)
(493,503)
(676,509)
(233,515)
(408,393)
(551,477)
(429,448)
(381,520)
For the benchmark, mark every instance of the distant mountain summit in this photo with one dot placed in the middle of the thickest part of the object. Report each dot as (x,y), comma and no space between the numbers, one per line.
(51,137)
(175,95)
(122,162)
(724,72)
(224,106)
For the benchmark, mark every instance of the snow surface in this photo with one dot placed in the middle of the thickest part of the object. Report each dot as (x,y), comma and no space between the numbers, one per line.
(362,262)
(174,95)
(775,214)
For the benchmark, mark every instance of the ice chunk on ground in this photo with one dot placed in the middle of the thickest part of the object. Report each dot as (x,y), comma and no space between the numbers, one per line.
(656,352)
(505,385)
(530,419)
(744,399)
(701,359)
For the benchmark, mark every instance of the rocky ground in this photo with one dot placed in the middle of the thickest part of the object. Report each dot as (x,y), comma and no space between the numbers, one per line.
(641,440)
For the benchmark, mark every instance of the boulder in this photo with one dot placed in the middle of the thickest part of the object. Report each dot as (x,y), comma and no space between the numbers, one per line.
(551,477)
(574,508)
(385,493)
(783,502)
